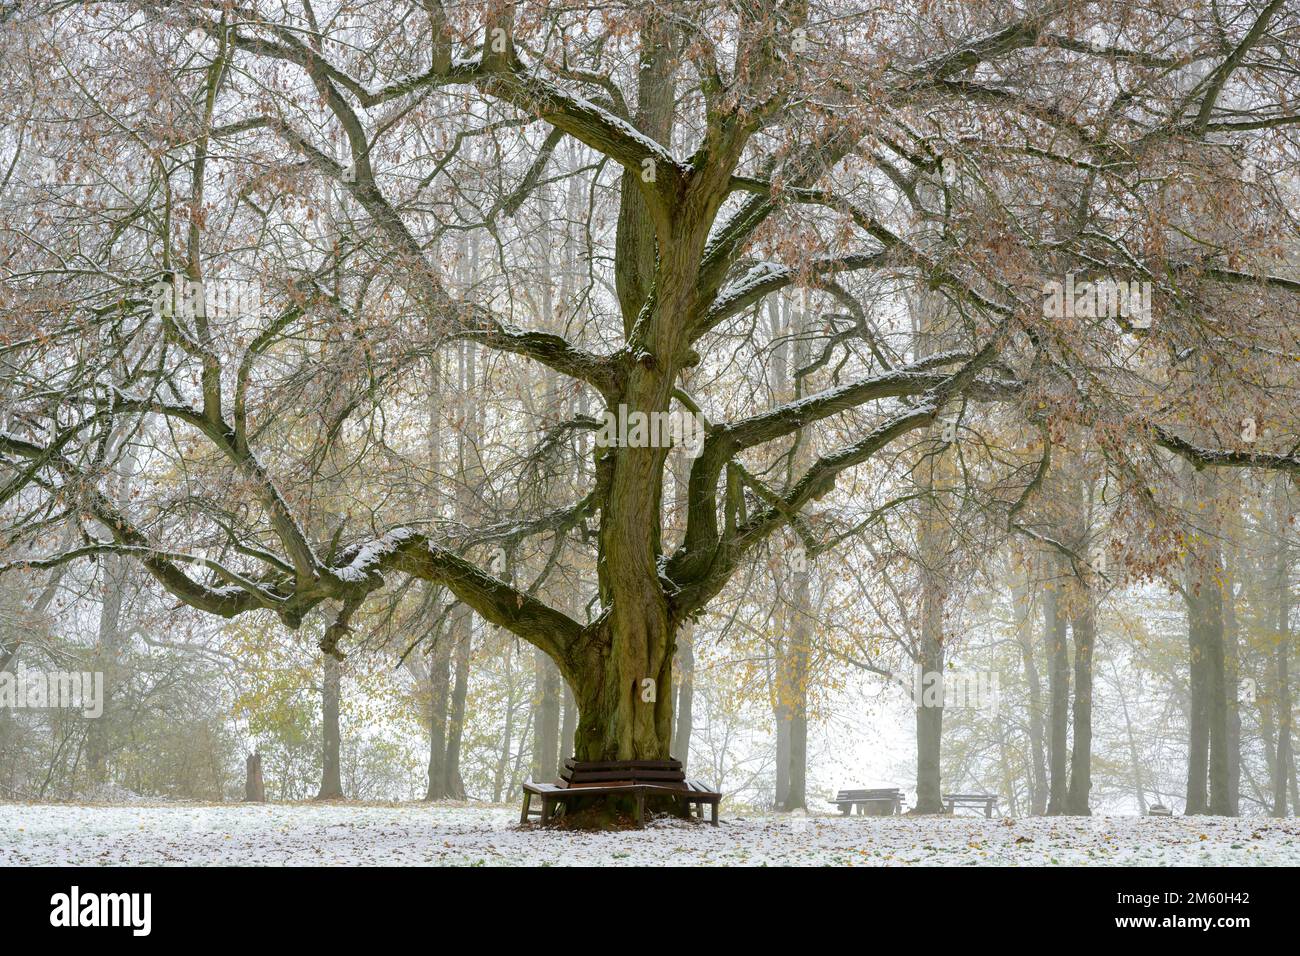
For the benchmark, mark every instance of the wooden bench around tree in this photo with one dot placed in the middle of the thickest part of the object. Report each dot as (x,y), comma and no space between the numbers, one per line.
(636,778)
(987,801)
(875,803)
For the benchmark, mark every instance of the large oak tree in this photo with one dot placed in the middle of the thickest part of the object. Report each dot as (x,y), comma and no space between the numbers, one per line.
(857,148)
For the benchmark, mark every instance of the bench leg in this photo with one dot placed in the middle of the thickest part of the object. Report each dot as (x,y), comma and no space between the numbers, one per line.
(523,816)
(714,807)
(547,804)
(640,808)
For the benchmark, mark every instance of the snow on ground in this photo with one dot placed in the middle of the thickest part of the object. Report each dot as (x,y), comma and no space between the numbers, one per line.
(421,834)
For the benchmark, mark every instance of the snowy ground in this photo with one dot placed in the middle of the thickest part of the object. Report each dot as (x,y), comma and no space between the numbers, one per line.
(418,834)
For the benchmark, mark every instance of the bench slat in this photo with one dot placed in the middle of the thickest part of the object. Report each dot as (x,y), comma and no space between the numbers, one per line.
(585,776)
(866,794)
(703,790)
(887,799)
(987,801)
(572,764)
(541,787)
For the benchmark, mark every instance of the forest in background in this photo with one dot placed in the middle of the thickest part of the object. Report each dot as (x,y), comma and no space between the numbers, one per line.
(310,319)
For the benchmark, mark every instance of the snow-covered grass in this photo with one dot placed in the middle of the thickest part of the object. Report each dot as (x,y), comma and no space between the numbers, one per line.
(420,834)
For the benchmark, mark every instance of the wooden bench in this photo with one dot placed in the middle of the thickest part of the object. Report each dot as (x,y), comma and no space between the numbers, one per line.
(636,778)
(876,803)
(988,801)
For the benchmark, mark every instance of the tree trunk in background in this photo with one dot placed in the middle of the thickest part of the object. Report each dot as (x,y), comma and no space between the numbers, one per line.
(1283,757)
(516,768)
(547,683)
(1219,785)
(9,646)
(507,733)
(929,713)
(1084,629)
(1135,761)
(779,328)
(440,654)
(449,694)
(469,476)
(1004,765)
(1208,711)
(1294,780)
(439,678)
(331,785)
(109,645)
(254,786)
(1198,713)
(1033,683)
(930,318)
(1208,745)
(801,619)
(796,797)
(789,328)
(1077,601)
(1232,665)
(782,790)
(546,715)
(455,786)
(7,750)
(569,727)
(1058,655)
(685,696)
(107,650)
